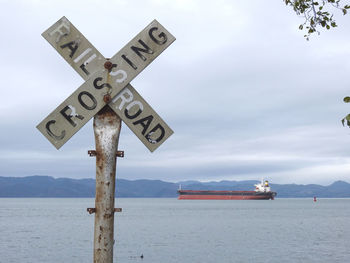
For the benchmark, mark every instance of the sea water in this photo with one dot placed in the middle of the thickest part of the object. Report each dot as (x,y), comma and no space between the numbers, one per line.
(167,230)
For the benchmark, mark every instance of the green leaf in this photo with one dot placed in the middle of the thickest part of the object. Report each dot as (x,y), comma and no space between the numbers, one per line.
(346,99)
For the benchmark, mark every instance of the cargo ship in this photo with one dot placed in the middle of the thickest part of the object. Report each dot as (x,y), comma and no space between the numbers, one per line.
(262,192)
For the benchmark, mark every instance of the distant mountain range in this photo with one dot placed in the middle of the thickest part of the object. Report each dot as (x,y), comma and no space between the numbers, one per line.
(46,186)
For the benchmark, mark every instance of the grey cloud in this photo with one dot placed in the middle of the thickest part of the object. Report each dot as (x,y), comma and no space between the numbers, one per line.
(235,84)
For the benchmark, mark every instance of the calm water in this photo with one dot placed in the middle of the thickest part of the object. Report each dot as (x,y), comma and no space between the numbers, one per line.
(170,230)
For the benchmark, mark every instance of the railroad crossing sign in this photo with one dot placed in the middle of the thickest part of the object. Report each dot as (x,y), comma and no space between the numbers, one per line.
(106,82)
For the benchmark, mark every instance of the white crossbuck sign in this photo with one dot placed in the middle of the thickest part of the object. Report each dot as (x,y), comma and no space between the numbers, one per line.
(106,78)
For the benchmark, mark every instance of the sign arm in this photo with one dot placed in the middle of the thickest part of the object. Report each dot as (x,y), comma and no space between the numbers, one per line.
(73,113)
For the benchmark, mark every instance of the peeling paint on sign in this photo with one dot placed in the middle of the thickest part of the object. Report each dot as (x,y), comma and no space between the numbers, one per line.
(88,99)
(139,116)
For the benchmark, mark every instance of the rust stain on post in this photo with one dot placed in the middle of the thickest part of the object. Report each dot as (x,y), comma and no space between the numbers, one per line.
(107,126)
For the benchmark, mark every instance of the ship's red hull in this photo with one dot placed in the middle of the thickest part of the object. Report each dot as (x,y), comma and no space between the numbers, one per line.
(224,195)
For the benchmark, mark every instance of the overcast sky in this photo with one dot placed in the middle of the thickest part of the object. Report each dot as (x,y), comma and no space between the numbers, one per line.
(245,94)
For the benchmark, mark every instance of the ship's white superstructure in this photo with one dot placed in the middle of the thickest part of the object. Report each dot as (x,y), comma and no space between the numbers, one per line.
(262,187)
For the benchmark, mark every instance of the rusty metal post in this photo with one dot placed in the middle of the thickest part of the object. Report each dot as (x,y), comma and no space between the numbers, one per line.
(107,127)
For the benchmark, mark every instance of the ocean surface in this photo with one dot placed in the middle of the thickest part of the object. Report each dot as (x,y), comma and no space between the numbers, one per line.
(168,230)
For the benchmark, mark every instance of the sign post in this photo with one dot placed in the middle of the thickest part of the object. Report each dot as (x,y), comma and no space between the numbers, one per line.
(107,96)
(107,126)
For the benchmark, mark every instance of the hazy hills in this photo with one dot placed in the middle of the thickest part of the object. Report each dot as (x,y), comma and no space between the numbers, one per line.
(46,186)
